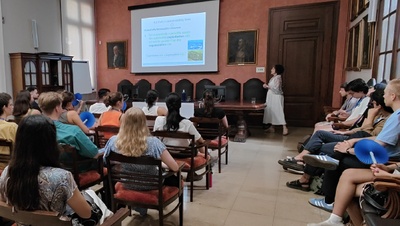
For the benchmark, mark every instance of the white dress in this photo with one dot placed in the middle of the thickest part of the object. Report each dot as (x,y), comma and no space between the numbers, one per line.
(273,112)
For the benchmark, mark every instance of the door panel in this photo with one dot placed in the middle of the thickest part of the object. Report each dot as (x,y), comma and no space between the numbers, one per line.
(300,38)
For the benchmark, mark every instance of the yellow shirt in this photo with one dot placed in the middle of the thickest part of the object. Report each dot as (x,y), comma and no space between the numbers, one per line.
(8,131)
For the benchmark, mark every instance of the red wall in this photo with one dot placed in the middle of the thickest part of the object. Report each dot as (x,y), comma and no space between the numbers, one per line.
(113,23)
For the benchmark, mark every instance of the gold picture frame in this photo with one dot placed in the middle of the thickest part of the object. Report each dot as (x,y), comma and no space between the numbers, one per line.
(117,54)
(242,47)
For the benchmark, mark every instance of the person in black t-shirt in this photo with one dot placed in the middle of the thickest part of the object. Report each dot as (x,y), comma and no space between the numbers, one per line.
(209,110)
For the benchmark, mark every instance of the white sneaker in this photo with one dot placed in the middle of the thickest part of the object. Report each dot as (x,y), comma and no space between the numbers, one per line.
(325,223)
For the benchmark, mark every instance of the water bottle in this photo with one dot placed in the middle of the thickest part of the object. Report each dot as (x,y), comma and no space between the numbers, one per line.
(183,96)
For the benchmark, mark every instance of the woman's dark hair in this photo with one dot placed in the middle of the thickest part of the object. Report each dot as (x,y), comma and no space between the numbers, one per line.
(377,96)
(113,98)
(35,146)
(208,100)
(22,105)
(358,85)
(67,97)
(173,102)
(344,86)
(151,98)
(4,100)
(279,69)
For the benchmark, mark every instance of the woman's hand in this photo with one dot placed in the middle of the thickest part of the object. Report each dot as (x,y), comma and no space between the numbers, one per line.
(379,167)
(342,146)
(265,86)
(373,112)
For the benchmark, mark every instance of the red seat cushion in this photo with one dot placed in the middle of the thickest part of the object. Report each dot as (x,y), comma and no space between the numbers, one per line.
(214,143)
(148,197)
(199,160)
(88,177)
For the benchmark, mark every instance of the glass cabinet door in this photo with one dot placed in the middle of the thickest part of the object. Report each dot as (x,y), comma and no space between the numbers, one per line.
(67,76)
(30,74)
(45,73)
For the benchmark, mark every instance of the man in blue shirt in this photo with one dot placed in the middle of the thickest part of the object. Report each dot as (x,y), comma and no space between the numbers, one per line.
(50,103)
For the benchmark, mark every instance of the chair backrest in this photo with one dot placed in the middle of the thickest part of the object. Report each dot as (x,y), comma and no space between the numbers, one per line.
(209,127)
(135,178)
(33,218)
(76,163)
(178,151)
(41,217)
(5,158)
(150,120)
(99,138)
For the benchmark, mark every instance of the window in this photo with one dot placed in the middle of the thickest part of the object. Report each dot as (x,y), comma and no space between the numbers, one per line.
(387,59)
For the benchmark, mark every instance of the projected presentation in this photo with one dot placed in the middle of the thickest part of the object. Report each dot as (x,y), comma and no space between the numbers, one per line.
(173,40)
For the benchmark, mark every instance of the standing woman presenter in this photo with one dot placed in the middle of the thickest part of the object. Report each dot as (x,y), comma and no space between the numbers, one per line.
(273,113)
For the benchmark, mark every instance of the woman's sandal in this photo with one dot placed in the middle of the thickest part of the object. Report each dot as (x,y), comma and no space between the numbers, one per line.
(296,184)
(292,163)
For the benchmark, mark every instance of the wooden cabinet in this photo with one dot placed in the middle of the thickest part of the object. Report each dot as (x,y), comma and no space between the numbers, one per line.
(46,71)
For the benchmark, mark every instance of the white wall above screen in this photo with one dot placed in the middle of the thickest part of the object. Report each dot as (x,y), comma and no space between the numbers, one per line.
(175,37)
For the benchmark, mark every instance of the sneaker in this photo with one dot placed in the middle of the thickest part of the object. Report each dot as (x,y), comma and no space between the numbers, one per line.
(141,211)
(321,161)
(325,223)
(213,160)
(320,203)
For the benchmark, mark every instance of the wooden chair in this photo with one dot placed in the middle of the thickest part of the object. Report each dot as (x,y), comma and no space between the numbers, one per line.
(391,217)
(5,158)
(188,155)
(214,129)
(86,179)
(150,121)
(99,138)
(158,196)
(40,217)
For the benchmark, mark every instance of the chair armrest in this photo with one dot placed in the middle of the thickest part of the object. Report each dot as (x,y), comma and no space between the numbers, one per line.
(117,218)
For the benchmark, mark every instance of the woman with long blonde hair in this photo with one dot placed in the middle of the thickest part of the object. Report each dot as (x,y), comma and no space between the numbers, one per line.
(134,140)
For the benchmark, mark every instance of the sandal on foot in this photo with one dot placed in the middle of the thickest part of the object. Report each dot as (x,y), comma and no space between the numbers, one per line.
(292,163)
(296,184)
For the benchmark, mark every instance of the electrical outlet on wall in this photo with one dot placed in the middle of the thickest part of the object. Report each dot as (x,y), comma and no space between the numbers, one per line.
(260,69)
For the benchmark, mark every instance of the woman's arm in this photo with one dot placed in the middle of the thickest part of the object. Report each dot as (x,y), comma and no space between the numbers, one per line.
(73,118)
(225,122)
(169,161)
(201,141)
(78,203)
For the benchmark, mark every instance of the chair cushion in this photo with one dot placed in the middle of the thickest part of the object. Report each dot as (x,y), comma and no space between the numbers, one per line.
(88,177)
(147,197)
(199,160)
(214,143)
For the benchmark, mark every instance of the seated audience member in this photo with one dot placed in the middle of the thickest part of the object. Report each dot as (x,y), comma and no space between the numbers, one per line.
(175,122)
(69,115)
(134,140)
(100,106)
(344,157)
(371,126)
(22,106)
(34,93)
(357,89)
(351,185)
(209,110)
(50,103)
(34,180)
(348,105)
(112,117)
(7,129)
(152,108)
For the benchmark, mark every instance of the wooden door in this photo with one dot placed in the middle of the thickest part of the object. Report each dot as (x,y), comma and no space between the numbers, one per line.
(303,40)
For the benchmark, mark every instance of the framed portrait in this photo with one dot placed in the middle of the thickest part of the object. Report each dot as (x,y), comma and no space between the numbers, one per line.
(368,38)
(117,54)
(242,47)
